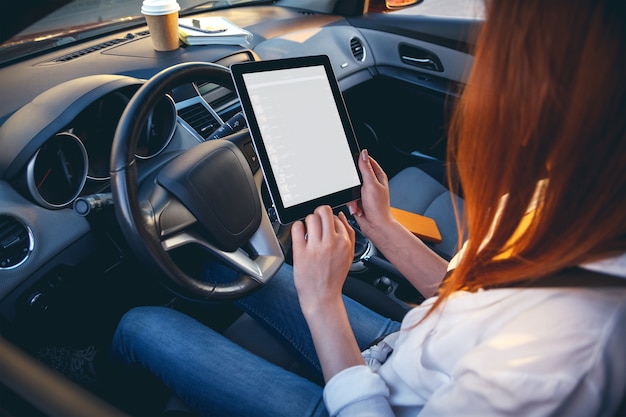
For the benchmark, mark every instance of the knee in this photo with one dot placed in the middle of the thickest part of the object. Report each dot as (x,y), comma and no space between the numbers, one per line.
(136,327)
(140,319)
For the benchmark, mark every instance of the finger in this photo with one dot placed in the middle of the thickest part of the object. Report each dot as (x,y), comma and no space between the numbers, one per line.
(367,173)
(380,174)
(371,172)
(343,233)
(344,229)
(327,219)
(298,239)
(346,224)
(313,227)
(354,208)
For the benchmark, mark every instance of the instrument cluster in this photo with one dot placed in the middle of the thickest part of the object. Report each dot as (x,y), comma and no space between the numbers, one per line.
(80,154)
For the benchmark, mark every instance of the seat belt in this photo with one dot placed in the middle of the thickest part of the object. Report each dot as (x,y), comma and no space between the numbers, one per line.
(570,277)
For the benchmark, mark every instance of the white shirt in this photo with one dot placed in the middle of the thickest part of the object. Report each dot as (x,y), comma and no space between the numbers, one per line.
(501,352)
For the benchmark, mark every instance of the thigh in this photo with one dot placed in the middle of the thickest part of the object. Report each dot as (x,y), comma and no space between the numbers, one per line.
(276,306)
(208,372)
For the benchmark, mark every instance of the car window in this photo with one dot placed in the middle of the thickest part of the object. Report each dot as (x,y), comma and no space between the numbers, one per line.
(87,12)
(446,8)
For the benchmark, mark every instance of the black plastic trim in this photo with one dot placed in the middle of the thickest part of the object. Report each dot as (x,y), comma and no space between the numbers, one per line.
(454,33)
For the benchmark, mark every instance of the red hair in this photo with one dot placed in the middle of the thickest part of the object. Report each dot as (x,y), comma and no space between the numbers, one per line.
(546,99)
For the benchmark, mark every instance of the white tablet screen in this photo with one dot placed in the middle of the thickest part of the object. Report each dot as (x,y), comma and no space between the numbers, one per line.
(302,132)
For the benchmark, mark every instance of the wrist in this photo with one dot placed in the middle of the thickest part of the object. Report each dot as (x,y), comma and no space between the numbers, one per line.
(382,233)
(319,308)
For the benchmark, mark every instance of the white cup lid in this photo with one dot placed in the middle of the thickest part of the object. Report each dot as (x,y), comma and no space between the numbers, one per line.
(159,7)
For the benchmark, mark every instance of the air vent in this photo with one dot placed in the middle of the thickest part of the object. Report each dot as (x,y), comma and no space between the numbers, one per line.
(227,106)
(356,46)
(86,51)
(16,242)
(89,50)
(200,119)
(226,100)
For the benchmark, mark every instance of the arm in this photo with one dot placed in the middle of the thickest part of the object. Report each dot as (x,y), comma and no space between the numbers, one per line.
(322,255)
(420,265)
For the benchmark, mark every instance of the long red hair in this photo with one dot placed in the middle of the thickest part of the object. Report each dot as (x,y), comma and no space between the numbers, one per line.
(546,99)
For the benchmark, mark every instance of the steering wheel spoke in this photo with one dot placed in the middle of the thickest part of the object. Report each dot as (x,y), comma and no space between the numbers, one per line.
(169,216)
(260,260)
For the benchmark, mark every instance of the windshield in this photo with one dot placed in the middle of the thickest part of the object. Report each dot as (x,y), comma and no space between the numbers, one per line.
(82,19)
(89,12)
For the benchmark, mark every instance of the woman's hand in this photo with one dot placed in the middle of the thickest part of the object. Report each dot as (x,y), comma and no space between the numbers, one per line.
(416,261)
(322,255)
(372,211)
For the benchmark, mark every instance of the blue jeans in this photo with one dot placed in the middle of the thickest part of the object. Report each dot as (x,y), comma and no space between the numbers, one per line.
(215,376)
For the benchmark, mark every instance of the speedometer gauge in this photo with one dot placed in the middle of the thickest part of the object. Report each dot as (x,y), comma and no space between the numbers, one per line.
(95,127)
(158,130)
(57,172)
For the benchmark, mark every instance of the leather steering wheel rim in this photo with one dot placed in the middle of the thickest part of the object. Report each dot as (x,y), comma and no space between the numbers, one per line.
(137,221)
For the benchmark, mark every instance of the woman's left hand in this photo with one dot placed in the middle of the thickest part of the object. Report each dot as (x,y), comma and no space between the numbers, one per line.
(322,255)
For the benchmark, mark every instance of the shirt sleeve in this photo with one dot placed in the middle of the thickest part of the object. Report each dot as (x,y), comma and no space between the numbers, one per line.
(357,391)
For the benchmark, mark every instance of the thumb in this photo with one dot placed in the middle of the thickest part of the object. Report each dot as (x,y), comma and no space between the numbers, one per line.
(367,173)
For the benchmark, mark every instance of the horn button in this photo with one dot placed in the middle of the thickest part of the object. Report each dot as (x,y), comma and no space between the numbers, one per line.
(214,182)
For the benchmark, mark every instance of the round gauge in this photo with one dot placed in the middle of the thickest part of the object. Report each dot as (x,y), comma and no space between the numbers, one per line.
(57,172)
(158,130)
(96,127)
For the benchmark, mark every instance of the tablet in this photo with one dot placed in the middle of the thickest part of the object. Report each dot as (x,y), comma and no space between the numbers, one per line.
(301,132)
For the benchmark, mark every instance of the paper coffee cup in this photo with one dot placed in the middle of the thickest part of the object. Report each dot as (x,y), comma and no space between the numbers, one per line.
(162,19)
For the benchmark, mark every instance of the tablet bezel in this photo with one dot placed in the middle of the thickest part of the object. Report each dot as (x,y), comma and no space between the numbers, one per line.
(289,214)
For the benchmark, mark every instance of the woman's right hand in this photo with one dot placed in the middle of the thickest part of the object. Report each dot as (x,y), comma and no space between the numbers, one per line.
(372,212)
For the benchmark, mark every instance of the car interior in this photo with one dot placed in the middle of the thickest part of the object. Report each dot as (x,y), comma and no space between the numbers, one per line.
(97,212)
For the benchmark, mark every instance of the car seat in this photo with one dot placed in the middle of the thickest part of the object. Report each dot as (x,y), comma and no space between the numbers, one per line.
(414,190)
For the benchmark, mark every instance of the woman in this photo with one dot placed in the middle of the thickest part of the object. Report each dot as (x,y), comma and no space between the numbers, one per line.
(530,318)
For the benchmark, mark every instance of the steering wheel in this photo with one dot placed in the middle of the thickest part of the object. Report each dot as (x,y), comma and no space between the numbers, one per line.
(206,196)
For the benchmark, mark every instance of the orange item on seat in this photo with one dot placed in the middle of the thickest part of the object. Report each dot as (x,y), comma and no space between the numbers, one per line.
(421,226)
